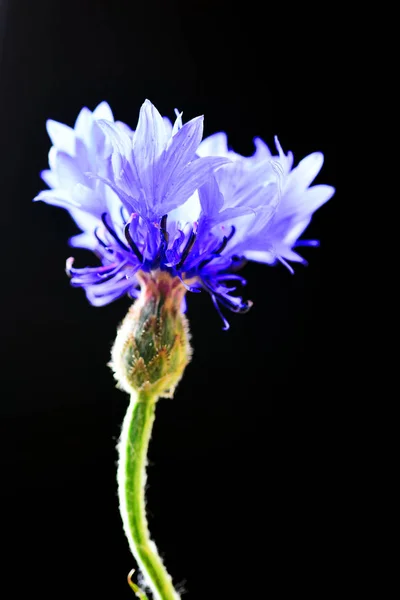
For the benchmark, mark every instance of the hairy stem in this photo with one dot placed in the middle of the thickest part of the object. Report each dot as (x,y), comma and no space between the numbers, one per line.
(133,446)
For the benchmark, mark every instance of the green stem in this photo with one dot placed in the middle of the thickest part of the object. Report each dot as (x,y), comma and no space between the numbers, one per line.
(133,446)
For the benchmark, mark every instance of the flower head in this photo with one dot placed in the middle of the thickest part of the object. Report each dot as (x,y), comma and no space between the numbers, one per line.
(152,346)
(159,198)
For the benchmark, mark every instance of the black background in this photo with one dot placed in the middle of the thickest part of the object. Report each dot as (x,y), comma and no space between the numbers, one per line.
(242,493)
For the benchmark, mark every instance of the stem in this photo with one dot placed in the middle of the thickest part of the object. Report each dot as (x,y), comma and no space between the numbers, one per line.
(133,446)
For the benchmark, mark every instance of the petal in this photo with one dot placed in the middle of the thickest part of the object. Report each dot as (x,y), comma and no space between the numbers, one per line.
(260,256)
(240,182)
(88,199)
(68,170)
(183,185)
(181,151)
(82,155)
(211,199)
(168,126)
(316,197)
(103,111)
(214,145)
(84,240)
(150,137)
(52,157)
(252,230)
(286,160)
(130,204)
(289,254)
(118,136)
(125,181)
(50,178)
(62,136)
(83,124)
(178,122)
(188,212)
(262,151)
(232,213)
(114,290)
(298,203)
(125,128)
(305,172)
(58,197)
(295,231)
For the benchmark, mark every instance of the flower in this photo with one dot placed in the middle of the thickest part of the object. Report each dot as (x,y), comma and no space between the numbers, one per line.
(159,198)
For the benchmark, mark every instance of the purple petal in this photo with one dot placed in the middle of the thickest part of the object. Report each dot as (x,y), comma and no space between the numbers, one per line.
(120,140)
(68,170)
(214,145)
(211,199)
(180,188)
(58,197)
(305,172)
(122,161)
(50,178)
(62,136)
(84,240)
(316,197)
(89,200)
(83,124)
(180,152)
(178,122)
(149,141)
(103,111)
(124,127)
(295,231)
(260,256)
(262,151)
(150,137)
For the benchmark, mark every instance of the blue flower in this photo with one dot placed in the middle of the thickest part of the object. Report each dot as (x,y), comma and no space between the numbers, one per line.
(160,198)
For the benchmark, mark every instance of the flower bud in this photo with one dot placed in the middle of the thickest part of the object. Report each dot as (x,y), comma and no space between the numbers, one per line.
(152,347)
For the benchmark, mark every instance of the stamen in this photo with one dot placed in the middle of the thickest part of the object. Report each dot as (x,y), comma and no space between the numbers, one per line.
(238,262)
(218,251)
(226,301)
(232,277)
(121,212)
(101,242)
(109,274)
(68,265)
(163,227)
(286,264)
(191,288)
(235,304)
(225,240)
(187,249)
(225,322)
(112,232)
(132,244)
(306,243)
